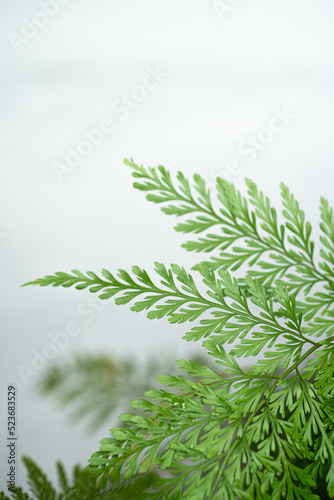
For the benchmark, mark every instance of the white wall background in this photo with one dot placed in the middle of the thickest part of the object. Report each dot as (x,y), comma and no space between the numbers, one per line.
(226,75)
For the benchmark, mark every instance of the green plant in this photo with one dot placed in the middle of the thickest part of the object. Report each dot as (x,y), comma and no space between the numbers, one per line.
(96,387)
(266,432)
(80,486)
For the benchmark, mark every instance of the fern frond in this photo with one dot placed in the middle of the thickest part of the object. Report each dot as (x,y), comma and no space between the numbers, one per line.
(270,241)
(39,484)
(266,432)
(95,387)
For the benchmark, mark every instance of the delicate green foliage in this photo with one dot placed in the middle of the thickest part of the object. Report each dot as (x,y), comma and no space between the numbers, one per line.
(327,238)
(266,432)
(283,247)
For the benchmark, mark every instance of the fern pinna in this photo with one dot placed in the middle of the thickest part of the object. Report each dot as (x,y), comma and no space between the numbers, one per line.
(266,432)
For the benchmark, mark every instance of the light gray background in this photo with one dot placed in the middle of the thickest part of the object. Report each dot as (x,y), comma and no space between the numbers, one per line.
(225,78)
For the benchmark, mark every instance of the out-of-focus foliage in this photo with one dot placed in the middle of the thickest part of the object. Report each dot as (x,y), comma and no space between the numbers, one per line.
(96,387)
(81,485)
